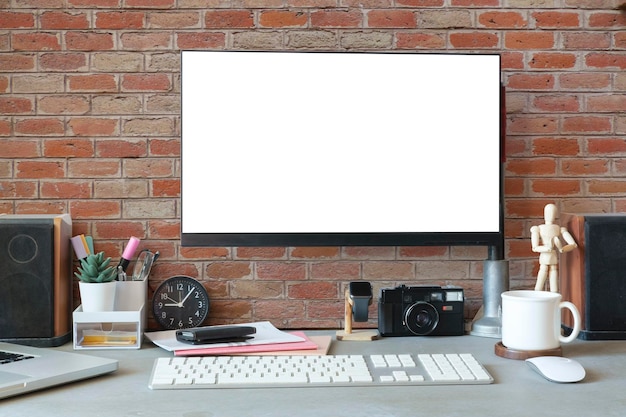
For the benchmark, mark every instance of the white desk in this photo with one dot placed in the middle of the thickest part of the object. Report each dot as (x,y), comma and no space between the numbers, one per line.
(517,391)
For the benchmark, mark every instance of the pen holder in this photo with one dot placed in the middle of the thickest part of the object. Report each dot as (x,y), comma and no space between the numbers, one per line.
(121,328)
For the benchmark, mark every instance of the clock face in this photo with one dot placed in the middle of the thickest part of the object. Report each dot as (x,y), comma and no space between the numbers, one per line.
(180,302)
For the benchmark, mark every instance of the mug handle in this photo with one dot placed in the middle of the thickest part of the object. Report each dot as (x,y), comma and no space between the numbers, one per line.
(577,321)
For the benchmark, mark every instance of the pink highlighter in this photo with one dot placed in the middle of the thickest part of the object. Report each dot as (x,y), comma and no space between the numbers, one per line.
(129,253)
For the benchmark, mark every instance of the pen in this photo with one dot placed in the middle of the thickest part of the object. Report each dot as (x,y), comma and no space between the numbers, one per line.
(129,252)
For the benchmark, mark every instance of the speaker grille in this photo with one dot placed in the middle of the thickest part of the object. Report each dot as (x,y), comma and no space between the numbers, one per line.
(605,272)
(26,279)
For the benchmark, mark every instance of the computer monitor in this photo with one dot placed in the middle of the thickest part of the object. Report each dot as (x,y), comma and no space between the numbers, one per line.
(341,149)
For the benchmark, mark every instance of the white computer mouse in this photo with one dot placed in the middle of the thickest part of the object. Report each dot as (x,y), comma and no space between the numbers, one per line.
(557,369)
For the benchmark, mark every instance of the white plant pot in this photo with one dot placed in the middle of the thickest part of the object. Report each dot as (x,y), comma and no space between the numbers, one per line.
(97,296)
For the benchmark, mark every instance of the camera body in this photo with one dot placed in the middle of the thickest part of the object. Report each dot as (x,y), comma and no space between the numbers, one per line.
(421,311)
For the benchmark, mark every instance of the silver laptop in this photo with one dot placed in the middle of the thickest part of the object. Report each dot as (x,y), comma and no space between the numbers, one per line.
(24,368)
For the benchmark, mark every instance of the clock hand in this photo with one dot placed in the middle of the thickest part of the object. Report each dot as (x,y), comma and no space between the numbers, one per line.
(187,296)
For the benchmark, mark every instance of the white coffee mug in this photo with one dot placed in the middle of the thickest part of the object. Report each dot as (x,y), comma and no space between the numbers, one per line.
(531,320)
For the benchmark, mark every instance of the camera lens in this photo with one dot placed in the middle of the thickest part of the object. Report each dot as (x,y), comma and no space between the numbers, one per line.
(421,318)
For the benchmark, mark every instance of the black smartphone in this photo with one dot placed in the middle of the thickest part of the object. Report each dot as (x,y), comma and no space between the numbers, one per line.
(215,334)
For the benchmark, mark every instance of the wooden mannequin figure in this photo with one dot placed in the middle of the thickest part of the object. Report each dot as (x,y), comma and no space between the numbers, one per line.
(546,240)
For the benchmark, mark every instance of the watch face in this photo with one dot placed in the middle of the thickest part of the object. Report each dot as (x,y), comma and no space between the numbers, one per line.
(180,302)
(360,289)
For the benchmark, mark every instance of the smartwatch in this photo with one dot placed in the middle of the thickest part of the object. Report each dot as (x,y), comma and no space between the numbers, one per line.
(361,296)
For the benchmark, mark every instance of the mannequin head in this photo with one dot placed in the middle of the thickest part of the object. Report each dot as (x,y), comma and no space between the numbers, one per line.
(549,213)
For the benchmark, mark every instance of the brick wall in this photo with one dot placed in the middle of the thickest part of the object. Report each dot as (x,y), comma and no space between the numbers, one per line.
(90,124)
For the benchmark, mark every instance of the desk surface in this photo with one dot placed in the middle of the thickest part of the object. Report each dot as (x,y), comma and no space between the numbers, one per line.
(517,391)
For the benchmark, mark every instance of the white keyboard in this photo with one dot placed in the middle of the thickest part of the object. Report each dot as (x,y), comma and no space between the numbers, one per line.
(316,371)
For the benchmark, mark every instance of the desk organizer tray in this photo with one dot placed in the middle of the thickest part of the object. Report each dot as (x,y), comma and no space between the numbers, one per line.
(121,328)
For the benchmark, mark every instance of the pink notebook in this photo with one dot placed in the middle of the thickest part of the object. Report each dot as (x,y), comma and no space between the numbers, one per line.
(314,345)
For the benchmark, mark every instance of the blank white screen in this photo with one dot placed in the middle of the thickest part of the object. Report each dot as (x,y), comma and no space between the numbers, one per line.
(276,142)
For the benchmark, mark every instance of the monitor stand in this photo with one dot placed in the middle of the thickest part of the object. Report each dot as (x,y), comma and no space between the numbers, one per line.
(488,321)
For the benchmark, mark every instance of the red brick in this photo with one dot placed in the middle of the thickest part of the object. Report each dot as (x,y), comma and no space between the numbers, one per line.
(283,18)
(391,19)
(18,189)
(16,62)
(555,146)
(528,40)
(193,40)
(349,271)
(502,19)
(252,252)
(585,81)
(315,252)
(86,41)
(281,270)
(532,125)
(40,126)
(556,103)
(514,187)
(68,148)
(19,148)
(474,40)
(164,147)
(606,60)
(556,187)
(607,187)
(163,229)
(64,20)
(15,105)
(204,253)
(313,290)
(531,82)
(612,103)
(606,146)
(35,42)
(166,188)
(229,270)
(116,148)
(556,19)
(146,82)
(407,40)
(585,167)
(337,18)
(531,166)
(229,19)
(158,4)
(586,40)
(93,83)
(613,19)
(548,60)
(16,20)
(588,124)
(120,20)
(93,126)
(39,169)
(115,229)
(65,189)
(63,61)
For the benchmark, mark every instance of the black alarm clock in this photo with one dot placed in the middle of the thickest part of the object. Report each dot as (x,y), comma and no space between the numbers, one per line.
(180,302)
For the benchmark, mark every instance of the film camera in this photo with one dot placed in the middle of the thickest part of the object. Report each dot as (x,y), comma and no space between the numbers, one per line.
(421,311)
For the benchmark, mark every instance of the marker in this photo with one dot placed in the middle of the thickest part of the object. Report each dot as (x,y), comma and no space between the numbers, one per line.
(80,247)
(129,252)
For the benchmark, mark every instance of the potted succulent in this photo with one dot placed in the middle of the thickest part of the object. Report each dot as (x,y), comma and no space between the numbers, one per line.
(96,283)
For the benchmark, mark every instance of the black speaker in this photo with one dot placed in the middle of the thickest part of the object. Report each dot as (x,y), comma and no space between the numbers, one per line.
(593,276)
(35,279)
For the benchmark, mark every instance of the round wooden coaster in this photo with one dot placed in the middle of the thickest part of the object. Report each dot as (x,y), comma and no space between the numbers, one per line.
(508,353)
